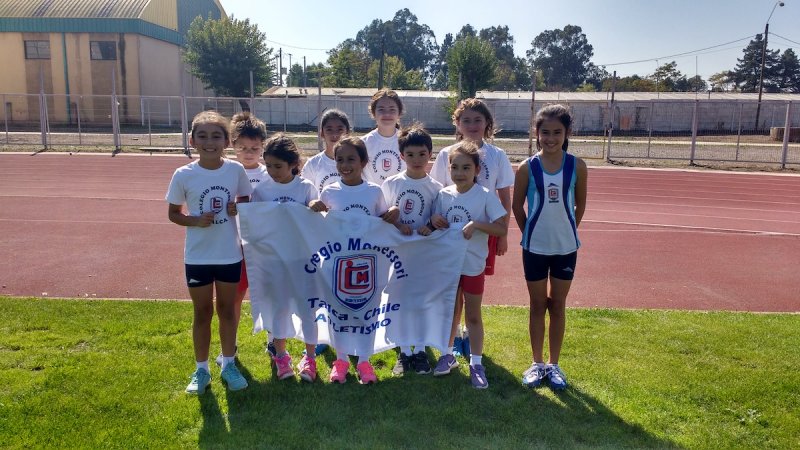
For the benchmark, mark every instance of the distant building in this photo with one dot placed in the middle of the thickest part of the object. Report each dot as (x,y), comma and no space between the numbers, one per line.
(72,47)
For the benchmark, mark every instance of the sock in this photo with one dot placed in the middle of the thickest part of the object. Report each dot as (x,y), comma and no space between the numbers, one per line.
(449,351)
(203,365)
(405,349)
(362,359)
(227,360)
(475,360)
(342,357)
(281,354)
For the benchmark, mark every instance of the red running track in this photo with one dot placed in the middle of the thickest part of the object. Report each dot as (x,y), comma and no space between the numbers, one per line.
(89,225)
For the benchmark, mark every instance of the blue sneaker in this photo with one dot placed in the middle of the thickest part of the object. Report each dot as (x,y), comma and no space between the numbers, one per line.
(556,377)
(199,382)
(458,347)
(477,375)
(445,364)
(320,348)
(534,375)
(233,378)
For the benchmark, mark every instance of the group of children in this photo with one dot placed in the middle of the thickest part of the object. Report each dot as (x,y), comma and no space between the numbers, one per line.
(468,187)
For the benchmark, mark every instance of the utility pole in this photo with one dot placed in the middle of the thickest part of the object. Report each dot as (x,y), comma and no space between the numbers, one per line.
(280,67)
(305,80)
(763,62)
(289,72)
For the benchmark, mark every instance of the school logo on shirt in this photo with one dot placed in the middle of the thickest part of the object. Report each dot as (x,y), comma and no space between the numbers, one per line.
(217,204)
(552,193)
(354,282)
(408,206)
(387,164)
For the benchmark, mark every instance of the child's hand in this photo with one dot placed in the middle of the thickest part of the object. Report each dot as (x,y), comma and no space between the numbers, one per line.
(392,215)
(205,219)
(232,209)
(317,206)
(468,229)
(424,230)
(438,221)
(405,229)
(502,245)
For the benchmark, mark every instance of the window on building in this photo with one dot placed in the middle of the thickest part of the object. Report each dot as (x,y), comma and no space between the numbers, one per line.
(37,49)
(103,49)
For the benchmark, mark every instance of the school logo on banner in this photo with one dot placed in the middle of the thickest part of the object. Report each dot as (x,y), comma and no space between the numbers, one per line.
(354,282)
(217,204)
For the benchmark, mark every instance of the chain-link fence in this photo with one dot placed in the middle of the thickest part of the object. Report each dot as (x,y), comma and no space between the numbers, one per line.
(689,130)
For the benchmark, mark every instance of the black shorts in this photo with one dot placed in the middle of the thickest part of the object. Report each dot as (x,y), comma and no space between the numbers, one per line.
(538,266)
(203,274)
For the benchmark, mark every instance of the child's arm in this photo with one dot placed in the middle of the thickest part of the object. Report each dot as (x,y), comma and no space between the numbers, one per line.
(424,230)
(232,211)
(317,206)
(520,193)
(497,228)
(177,216)
(392,215)
(581,188)
(438,221)
(504,194)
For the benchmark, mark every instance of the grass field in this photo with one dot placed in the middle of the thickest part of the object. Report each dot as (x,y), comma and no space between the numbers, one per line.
(111,374)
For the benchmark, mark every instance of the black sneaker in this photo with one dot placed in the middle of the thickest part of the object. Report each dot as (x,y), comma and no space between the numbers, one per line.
(420,364)
(402,365)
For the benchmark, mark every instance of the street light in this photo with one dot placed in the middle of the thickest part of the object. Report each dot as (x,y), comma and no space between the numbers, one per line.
(763,61)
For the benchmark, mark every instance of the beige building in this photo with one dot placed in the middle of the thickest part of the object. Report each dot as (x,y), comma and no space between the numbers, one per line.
(76,49)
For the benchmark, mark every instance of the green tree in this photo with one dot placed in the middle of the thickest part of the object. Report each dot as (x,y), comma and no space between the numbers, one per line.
(748,67)
(395,75)
(439,69)
(722,81)
(295,76)
(633,83)
(668,78)
(512,73)
(347,66)
(473,60)
(403,37)
(223,52)
(563,56)
(789,72)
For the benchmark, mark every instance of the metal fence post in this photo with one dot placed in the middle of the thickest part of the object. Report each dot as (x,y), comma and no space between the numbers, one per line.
(184,126)
(319,116)
(115,114)
(78,114)
(694,131)
(285,109)
(739,133)
(787,127)
(650,127)
(5,115)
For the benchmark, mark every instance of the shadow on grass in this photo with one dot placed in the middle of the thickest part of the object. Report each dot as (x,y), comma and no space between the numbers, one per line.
(413,411)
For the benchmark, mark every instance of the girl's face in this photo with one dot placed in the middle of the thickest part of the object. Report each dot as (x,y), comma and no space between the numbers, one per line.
(209,140)
(248,151)
(279,170)
(386,113)
(349,165)
(332,131)
(551,135)
(472,125)
(463,171)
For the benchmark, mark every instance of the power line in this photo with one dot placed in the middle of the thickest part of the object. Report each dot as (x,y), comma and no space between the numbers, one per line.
(677,54)
(294,46)
(786,39)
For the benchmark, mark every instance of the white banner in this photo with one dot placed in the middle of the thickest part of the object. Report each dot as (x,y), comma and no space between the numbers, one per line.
(348,280)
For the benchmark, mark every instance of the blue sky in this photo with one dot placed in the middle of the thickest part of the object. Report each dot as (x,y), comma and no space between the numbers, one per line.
(619,30)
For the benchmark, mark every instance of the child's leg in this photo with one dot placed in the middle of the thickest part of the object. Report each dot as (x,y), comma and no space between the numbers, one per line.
(203,302)
(238,305)
(280,346)
(474,321)
(226,299)
(456,316)
(556,306)
(311,350)
(537,291)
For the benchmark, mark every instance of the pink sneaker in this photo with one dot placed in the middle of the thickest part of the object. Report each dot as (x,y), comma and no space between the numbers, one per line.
(366,373)
(339,371)
(284,365)
(308,369)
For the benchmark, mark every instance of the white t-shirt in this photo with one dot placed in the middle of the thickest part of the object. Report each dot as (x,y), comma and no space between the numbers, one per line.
(299,190)
(366,198)
(384,157)
(479,205)
(496,172)
(257,175)
(204,190)
(320,170)
(414,197)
